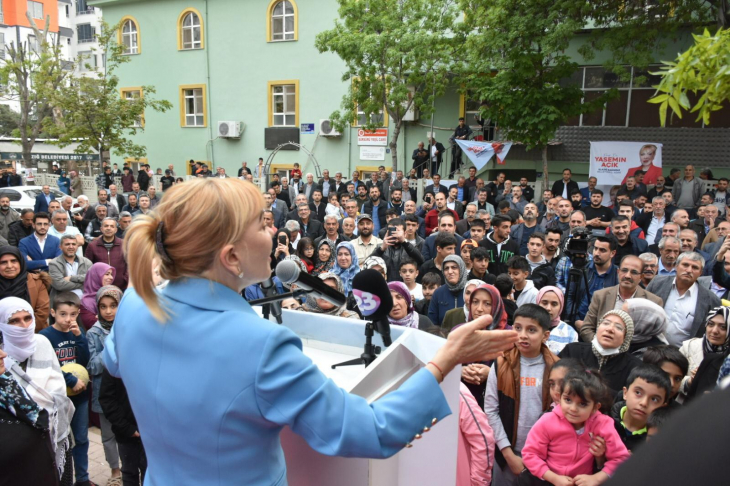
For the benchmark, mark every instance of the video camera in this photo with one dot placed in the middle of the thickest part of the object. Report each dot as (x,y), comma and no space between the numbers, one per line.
(577,247)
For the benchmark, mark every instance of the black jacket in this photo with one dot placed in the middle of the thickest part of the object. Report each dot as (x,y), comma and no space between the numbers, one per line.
(16,232)
(631,441)
(616,370)
(498,259)
(314,228)
(143,178)
(543,276)
(117,409)
(320,212)
(395,255)
(382,208)
(558,187)
(528,193)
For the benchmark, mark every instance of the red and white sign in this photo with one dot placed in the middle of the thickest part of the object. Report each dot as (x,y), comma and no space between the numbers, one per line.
(377,137)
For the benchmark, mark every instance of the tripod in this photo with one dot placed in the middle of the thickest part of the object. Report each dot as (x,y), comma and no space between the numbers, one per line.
(576,276)
(370,351)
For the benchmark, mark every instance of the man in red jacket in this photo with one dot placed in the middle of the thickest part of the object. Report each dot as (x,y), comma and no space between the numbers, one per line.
(432,217)
(108,249)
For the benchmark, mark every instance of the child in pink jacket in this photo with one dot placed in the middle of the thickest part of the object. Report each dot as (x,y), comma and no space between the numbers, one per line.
(476,443)
(559,447)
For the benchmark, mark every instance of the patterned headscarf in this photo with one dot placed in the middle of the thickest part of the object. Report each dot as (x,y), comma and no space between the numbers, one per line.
(462,272)
(499,314)
(347,274)
(18,286)
(373,261)
(723,348)
(604,354)
(476,283)
(311,304)
(650,320)
(411,317)
(559,293)
(326,266)
(108,291)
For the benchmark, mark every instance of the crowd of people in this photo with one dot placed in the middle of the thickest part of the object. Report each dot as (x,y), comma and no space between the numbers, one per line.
(621,309)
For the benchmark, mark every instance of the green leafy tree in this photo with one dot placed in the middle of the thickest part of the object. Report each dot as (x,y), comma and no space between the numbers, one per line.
(94,113)
(520,63)
(702,70)
(31,74)
(9,121)
(397,55)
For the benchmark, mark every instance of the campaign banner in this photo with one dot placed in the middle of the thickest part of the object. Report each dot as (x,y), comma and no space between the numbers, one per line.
(613,162)
(482,152)
(377,137)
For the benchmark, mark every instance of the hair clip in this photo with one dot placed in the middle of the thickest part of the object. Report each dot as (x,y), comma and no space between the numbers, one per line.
(160,245)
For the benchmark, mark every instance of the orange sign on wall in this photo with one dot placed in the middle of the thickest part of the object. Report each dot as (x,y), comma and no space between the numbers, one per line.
(14,13)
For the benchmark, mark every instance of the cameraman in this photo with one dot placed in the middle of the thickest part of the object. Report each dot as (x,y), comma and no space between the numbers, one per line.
(599,273)
(420,159)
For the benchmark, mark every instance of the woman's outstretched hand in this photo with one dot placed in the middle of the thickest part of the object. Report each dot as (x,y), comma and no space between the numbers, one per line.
(469,343)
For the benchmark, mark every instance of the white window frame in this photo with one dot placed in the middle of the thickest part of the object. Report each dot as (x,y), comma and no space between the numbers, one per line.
(130,38)
(87,57)
(193,44)
(282,17)
(287,111)
(33,8)
(194,95)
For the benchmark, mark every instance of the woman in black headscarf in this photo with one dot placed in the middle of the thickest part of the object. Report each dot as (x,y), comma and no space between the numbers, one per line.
(15,281)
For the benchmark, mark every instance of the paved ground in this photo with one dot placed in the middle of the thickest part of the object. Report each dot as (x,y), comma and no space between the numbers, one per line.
(99,471)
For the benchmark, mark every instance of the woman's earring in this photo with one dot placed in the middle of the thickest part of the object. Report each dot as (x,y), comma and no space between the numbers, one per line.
(240,273)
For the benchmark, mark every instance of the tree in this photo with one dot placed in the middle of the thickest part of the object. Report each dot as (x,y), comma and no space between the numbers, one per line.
(397,55)
(703,68)
(95,115)
(31,75)
(519,62)
(9,121)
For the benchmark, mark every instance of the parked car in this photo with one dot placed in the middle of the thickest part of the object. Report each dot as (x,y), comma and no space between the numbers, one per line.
(22,197)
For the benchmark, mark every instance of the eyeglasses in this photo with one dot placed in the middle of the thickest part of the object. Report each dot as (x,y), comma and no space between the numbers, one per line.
(606,323)
(635,273)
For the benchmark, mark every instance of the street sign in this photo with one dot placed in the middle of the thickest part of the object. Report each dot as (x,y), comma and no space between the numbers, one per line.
(49,157)
(377,137)
(307,128)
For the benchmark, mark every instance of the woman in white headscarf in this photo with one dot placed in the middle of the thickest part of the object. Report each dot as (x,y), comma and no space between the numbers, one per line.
(33,364)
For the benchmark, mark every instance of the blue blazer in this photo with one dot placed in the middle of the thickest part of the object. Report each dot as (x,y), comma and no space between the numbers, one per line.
(41,205)
(213,387)
(28,247)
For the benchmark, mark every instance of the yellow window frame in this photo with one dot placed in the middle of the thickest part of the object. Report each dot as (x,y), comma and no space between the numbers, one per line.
(139,35)
(269,13)
(181,90)
(124,91)
(180,30)
(270,97)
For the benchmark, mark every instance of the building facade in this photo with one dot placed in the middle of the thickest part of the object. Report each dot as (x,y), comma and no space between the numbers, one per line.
(252,65)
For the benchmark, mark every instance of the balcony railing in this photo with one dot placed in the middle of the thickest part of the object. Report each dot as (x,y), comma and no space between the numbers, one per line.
(88,11)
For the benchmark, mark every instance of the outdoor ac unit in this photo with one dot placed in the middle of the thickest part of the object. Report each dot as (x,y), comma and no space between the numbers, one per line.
(326,129)
(229,129)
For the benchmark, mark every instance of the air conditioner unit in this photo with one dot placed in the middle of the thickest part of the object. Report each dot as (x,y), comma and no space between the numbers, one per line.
(326,129)
(229,129)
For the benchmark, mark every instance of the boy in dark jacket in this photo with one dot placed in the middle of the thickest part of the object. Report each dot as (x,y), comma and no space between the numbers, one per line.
(648,388)
(430,282)
(117,409)
(71,346)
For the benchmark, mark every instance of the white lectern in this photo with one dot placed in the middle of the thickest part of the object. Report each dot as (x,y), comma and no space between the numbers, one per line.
(329,340)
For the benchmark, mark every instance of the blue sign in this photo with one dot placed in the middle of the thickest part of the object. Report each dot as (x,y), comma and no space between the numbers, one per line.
(308,128)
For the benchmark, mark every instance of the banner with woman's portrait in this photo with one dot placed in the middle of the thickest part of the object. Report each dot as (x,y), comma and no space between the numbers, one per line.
(613,162)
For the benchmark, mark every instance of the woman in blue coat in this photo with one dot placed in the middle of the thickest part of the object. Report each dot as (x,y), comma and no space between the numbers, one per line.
(212,384)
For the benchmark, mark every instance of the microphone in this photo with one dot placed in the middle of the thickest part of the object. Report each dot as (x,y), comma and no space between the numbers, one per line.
(374,300)
(289,272)
(269,291)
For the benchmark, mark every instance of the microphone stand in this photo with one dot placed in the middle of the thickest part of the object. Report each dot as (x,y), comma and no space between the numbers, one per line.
(370,351)
(297,294)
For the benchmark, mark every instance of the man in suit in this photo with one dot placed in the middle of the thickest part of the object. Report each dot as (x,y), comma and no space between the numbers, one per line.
(653,222)
(278,213)
(40,247)
(437,186)
(308,226)
(452,202)
(565,186)
(702,226)
(339,186)
(685,301)
(43,199)
(630,272)
(119,201)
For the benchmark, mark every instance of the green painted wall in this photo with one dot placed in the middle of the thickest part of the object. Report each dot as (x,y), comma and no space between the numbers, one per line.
(236,65)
